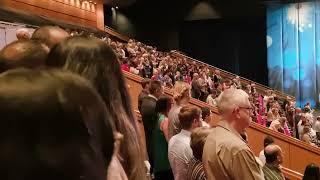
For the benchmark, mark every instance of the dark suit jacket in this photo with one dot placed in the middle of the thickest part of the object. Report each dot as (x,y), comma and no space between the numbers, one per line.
(148,106)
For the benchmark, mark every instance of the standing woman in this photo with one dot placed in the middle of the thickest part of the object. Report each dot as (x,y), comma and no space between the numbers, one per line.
(161,163)
(95,60)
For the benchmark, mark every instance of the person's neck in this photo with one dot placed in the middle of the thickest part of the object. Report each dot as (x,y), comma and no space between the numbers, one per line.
(182,102)
(274,164)
(234,125)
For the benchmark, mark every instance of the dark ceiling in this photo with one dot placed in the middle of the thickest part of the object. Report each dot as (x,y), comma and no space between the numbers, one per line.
(177,9)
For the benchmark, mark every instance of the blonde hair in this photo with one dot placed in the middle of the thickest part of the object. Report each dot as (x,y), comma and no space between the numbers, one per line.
(180,89)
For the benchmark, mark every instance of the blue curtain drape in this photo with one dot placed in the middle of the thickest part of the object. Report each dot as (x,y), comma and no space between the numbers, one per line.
(293,41)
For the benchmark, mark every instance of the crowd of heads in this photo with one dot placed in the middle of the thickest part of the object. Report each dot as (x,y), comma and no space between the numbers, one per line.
(66,109)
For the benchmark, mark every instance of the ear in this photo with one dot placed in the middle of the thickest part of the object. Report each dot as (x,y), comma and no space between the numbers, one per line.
(236,112)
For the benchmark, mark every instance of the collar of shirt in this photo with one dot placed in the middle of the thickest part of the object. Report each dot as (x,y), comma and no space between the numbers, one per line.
(273,167)
(226,126)
(150,95)
(185,132)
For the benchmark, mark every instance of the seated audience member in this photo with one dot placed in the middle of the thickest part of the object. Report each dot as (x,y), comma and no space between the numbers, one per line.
(308,135)
(198,138)
(274,158)
(206,117)
(23,34)
(226,154)
(179,150)
(312,172)
(148,106)
(24,53)
(54,125)
(49,35)
(144,92)
(316,125)
(97,62)
(181,95)
(267,141)
(162,169)
(279,125)
(212,98)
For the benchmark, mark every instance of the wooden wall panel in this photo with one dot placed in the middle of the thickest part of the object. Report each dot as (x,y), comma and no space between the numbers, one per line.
(297,155)
(69,11)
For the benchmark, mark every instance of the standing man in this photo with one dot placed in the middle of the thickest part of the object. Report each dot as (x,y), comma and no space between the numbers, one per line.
(179,150)
(148,106)
(226,155)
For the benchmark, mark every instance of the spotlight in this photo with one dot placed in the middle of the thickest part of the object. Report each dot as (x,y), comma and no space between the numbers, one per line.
(117,7)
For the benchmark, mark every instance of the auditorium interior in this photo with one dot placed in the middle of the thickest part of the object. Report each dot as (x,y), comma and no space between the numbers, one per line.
(115,113)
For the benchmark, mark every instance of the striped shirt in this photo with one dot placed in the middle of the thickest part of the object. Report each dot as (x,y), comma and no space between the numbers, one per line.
(195,170)
(272,172)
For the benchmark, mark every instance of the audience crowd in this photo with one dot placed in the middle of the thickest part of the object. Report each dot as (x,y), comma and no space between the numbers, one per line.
(67,114)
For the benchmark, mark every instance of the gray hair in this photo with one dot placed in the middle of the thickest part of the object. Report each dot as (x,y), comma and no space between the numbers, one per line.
(231,98)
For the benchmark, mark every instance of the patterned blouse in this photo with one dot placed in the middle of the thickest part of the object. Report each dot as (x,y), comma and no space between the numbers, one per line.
(195,170)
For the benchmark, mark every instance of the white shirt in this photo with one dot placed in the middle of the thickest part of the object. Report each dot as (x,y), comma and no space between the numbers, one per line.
(262,157)
(211,101)
(180,153)
(316,126)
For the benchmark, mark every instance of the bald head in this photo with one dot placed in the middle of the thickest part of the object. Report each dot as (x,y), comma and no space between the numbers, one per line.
(273,154)
(24,53)
(23,34)
(49,35)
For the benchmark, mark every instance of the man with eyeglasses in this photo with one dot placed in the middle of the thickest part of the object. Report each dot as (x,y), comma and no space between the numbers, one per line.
(226,154)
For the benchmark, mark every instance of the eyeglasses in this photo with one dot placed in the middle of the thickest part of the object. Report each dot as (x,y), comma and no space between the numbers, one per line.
(248,108)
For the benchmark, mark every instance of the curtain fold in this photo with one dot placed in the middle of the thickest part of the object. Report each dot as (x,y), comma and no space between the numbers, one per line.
(293,50)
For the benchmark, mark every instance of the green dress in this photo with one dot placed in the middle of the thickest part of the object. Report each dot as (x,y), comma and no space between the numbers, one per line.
(160,148)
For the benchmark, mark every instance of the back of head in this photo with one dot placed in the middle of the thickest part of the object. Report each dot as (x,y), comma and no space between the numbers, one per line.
(49,35)
(181,90)
(198,139)
(267,140)
(187,115)
(155,87)
(53,126)
(145,82)
(27,53)
(271,153)
(23,34)
(96,61)
(312,172)
(163,104)
(205,111)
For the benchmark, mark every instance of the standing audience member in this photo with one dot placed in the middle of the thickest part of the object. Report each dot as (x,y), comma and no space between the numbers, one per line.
(274,158)
(181,95)
(226,154)
(97,62)
(23,34)
(23,53)
(49,35)
(162,169)
(267,141)
(180,152)
(144,92)
(198,138)
(54,125)
(148,107)
(312,172)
